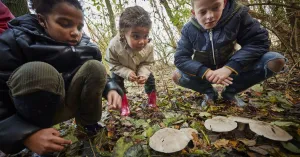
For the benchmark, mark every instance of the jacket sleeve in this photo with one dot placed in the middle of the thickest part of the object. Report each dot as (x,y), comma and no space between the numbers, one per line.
(13,129)
(183,56)
(114,64)
(254,41)
(144,67)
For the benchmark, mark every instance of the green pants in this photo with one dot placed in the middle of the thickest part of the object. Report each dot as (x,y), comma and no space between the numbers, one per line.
(33,81)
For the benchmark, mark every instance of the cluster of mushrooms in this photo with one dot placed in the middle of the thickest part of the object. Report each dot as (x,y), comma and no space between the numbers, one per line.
(170,140)
(224,124)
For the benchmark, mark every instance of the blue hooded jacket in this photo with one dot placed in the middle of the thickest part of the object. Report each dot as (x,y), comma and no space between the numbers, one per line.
(199,50)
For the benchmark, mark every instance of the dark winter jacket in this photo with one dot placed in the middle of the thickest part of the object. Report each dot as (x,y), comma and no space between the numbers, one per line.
(200,49)
(26,41)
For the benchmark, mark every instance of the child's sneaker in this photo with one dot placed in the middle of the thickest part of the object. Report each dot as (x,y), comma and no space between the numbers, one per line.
(93,129)
(210,98)
(232,98)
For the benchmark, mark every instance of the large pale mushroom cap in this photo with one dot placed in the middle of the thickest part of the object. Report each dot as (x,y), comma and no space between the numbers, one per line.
(270,131)
(241,119)
(220,124)
(188,132)
(168,140)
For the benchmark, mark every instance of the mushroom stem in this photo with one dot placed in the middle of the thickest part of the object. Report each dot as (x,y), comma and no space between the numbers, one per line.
(241,126)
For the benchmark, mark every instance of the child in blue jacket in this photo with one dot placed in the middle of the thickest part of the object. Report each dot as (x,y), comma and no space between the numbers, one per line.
(205,53)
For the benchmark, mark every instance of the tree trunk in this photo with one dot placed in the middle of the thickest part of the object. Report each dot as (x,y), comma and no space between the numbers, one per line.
(17,7)
(111,18)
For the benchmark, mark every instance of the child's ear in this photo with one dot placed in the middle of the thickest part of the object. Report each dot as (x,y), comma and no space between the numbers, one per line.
(149,40)
(193,12)
(41,20)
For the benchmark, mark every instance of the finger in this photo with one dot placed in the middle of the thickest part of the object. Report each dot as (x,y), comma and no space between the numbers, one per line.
(211,78)
(109,97)
(215,80)
(61,141)
(114,105)
(227,81)
(54,148)
(119,102)
(55,132)
(229,78)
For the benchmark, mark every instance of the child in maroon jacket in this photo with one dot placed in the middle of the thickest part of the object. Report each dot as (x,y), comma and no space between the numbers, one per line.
(5,16)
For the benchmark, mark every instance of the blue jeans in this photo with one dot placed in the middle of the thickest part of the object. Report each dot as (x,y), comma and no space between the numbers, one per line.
(248,77)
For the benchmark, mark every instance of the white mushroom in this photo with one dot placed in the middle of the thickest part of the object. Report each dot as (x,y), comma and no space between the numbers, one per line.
(188,132)
(270,131)
(220,124)
(241,121)
(168,140)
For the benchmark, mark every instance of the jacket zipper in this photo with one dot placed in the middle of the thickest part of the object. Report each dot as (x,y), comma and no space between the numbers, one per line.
(212,45)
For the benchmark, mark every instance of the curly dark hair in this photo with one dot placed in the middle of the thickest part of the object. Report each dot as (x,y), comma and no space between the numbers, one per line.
(135,16)
(45,7)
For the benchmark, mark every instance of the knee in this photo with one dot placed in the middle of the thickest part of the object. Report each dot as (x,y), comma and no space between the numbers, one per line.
(276,65)
(176,76)
(95,68)
(36,76)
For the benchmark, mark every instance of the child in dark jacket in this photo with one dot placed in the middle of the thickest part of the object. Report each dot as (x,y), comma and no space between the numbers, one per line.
(50,72)
(205,54)
(130,54)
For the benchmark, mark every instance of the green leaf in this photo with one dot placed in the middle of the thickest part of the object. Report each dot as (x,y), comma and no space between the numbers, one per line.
(257,88)
(204,114)
(283,124)
(291,147)
(122,145)
(137,150)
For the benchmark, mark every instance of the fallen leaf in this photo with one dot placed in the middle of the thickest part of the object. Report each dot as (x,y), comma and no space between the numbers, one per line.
(257,88)
(221,143)
(259,150)
(284,124)
(137,150)
(248,142)
(233,143)
(291,147)
(204,114)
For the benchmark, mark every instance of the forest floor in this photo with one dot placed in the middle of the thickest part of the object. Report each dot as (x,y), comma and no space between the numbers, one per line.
(275,101)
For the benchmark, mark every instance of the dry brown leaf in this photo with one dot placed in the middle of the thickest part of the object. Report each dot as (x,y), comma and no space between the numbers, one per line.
(259,150)
(233,143)
(221,143)
(248,142)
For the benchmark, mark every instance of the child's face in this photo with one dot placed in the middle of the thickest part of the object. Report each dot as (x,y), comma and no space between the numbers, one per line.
(64,23)
(208,12)
(137,37)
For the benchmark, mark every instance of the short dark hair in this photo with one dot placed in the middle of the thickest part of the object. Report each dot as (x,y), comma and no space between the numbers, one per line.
(45,7)
(134,16)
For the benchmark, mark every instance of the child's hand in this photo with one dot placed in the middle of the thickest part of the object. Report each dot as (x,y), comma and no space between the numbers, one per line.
(141,80)
(46,141)
(114,100)
(219,76)
(132,77)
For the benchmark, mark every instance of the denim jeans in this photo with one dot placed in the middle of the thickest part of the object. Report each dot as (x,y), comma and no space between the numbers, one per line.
(149,85)
(248,77)
(39,95)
